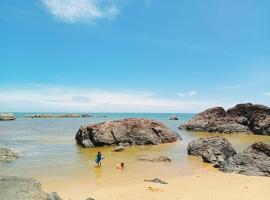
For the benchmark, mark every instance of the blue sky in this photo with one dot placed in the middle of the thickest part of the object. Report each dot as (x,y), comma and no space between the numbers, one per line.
(133,55)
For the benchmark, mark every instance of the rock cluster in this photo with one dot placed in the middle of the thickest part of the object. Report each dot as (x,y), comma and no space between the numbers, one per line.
(243,118)
(132,131)
(56,115)
(255,160)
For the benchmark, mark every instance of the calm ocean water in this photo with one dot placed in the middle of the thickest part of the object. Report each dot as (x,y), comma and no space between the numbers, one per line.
(48,151)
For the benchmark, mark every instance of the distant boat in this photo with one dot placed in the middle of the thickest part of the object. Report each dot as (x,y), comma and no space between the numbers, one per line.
(7,117)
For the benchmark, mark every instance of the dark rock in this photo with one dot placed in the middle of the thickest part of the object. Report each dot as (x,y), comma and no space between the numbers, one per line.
(85,115)
(133,131)
(7,155)
(119,148)
(156,180)
(19,188)
(174,117)
(89,199)
(7,117)
(214,156)
(215,145)
(255,161)
(243,118)
(158,159)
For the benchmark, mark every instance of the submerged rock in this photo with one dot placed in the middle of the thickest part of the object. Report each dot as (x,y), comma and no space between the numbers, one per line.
(158,159)
(119,148)
(255,160)
(156,180)
(7,155)
(12,187)
(7,117)
(133,131)
(243,118)
(174,117)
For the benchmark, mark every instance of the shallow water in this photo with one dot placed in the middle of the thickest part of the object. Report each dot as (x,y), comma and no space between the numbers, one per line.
(48,152)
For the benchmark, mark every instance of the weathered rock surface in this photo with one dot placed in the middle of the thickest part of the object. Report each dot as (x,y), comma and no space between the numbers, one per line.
(174,117)
(255,161)
(17,188)
(243,118)
(7,117)
(7,155)
(158,159)
(156,180)
(133,131)
(198,147)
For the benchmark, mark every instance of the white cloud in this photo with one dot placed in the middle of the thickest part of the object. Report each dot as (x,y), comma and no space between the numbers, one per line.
(187,94)
(56,99)
(72,11)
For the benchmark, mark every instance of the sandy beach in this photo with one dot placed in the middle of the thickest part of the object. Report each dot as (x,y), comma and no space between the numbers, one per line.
(203,186)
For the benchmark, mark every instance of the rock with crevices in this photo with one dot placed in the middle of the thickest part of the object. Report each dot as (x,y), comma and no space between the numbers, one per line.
(134,131)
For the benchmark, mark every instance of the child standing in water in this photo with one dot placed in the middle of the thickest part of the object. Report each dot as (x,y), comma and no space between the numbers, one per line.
(99,158)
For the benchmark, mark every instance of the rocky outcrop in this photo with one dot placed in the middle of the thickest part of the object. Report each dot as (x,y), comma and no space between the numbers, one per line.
(133,131)
(174,117)
(158,159)
(215,150)
(7,117)
(243,118)
(56,115)
(255,161)
(7,155)
(19,188)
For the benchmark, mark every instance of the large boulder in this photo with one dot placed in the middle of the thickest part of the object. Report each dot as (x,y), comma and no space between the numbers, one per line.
(133,131)
(7,155)
(255,160)
(215,150)
(12,187)
(243,118)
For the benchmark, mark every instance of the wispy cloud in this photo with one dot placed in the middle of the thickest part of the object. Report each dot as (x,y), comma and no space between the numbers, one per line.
(88,11)
(231,87)
(94,100)
(266,94)
(188,94)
